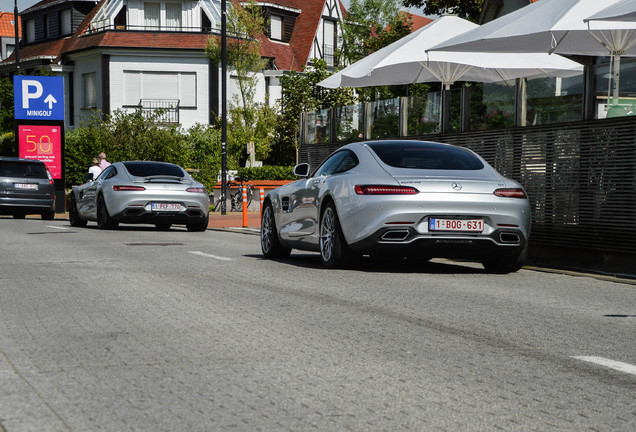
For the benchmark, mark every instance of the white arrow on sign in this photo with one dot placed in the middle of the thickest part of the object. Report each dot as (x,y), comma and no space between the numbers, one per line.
(50,100)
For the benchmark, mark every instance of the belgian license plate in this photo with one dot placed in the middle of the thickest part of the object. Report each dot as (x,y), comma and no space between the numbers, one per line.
(168,207)
(460,225)
(29,186)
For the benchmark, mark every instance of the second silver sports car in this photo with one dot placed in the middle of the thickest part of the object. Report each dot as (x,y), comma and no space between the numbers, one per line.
(141,192)
(403,198)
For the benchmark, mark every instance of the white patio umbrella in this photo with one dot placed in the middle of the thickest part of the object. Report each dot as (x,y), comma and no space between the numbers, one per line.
(406,61)
(551,26)
(623,13)
(624,10)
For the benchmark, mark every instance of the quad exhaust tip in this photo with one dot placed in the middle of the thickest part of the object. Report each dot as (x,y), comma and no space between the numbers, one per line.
(395,235)
(509,238)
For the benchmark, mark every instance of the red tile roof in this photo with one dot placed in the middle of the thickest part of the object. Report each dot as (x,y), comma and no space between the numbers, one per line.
(418,21)
(7,28)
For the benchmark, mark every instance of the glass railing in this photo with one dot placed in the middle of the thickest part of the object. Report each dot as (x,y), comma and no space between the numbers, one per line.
(474,107)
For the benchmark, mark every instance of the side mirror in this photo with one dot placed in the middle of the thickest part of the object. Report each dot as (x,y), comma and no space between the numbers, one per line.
(301,170)
(88,177)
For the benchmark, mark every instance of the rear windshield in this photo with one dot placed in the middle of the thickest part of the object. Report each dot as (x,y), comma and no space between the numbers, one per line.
(149,169)
(23,169)
(425,155)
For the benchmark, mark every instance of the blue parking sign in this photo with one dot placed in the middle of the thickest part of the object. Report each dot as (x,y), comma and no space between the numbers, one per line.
(38,97)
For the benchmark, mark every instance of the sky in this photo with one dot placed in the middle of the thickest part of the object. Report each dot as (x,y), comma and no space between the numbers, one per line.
(8,5)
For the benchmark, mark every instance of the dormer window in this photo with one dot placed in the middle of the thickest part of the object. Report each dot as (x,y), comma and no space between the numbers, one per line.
(160,16)
(276,27)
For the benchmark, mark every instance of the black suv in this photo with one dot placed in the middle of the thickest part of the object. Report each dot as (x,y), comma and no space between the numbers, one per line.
(26,187)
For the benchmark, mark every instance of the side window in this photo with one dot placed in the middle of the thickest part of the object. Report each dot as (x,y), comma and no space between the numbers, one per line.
(348,162)
(330,166)
(107,173)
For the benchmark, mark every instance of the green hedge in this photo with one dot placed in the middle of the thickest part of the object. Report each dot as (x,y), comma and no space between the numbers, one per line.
(268,173)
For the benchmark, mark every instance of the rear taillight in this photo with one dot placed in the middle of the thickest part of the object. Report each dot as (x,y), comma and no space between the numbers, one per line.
(48,173)
(511,193)
(129,188)
(196,190)
(385,190)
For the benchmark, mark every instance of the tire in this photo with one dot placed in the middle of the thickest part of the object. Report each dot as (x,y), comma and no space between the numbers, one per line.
(270,243)
(73,215)
(334,250)
(48,215)
(19,215)
(237,201)
(163,226)
(505,264)
(198,226)
(104,221)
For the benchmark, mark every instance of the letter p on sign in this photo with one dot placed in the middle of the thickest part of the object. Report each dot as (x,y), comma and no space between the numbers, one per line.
(26,95)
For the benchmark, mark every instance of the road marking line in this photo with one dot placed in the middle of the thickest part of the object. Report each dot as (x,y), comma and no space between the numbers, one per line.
(211,256)
(58,227)
(612,364)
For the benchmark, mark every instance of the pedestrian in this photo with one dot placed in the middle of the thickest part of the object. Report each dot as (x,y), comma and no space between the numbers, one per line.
(95,169)
(103,163)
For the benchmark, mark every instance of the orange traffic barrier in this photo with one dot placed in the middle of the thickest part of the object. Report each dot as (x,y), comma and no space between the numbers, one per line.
(244,206)
(262,200)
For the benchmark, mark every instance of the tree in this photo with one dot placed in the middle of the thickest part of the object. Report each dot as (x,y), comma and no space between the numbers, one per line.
(468,9)
(371,25)
(247,119)
(300,92)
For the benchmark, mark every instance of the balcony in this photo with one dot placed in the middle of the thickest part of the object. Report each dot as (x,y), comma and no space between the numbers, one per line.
(165,110)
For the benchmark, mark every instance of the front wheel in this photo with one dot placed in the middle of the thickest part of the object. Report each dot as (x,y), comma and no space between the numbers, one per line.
(104,221)
(334,250)
(270,243)
(73,215)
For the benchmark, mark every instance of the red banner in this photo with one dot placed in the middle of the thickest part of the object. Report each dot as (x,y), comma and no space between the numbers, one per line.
(43,143)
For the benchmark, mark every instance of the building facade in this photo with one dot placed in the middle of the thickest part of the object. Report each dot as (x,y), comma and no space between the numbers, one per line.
(126,54)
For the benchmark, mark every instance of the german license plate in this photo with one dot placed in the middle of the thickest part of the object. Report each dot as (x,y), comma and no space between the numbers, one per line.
(29,186)
(460,225)
(168,207)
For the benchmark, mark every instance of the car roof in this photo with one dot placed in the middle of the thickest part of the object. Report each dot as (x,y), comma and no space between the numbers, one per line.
(17,159)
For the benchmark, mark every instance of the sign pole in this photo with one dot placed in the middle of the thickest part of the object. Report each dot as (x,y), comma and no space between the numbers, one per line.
(223,106)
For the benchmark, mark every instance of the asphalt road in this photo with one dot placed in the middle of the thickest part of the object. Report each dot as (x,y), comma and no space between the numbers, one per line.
(142,330)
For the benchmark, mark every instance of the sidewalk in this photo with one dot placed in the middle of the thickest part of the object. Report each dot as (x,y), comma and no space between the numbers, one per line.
(234,220)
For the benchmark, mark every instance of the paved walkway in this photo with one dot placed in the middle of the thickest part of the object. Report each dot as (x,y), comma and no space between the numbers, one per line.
(234,220)
(229,220)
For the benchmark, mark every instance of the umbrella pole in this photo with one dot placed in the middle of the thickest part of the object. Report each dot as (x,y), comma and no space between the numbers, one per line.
(617,77)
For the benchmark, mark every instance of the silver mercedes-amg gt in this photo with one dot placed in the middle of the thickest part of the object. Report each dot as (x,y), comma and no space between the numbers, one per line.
(411,199)
(136,192)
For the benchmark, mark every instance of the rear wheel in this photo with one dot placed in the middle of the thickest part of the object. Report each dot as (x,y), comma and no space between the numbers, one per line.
(198,226)
(19,215)
(334,250)
(505,264)
(163,226)
(104,221)
(270,243)
(73,215)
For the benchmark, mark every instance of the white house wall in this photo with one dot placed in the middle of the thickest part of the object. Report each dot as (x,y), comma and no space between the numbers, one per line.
(182,65)
(85,64)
